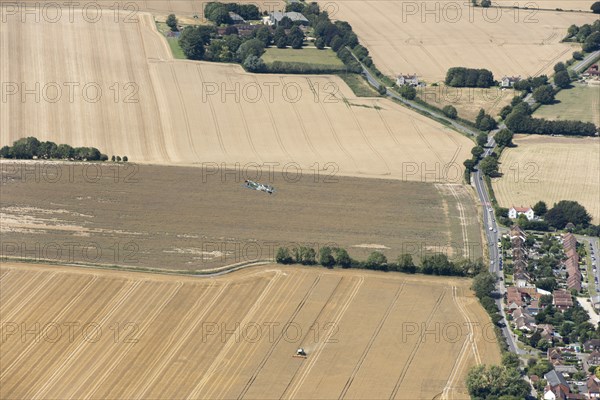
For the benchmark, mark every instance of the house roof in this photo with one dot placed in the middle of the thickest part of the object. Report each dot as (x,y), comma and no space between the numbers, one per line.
(235,16)
(293,15)
(521,209)
(555,379)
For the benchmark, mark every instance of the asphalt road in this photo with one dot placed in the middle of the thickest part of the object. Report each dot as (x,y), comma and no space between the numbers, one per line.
(581,64)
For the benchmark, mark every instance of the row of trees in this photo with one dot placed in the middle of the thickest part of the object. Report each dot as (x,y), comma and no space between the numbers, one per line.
(469,77)
(518,119)
(219,12)
(30,147)
(485,122)
(435,264)
(588,35)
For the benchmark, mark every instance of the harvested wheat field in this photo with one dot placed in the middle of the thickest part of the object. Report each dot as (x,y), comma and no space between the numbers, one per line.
(137,336)
(550,169)
(467,101)
(194,219)
(133,99)
(427,38)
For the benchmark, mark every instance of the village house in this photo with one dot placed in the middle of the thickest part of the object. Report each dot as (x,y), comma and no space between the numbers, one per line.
(562,299)
(509,81)
(593,387)
(514,212)
(411,80)
(591,345)
(592,71)
(594,358)
(557,388)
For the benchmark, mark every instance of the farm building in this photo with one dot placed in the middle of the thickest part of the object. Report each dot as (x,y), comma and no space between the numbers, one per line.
(276,17)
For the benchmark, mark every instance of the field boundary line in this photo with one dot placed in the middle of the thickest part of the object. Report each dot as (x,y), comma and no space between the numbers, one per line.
(374,336)
(212,111)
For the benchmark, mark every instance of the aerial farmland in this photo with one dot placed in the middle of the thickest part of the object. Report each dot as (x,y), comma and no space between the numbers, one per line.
(298,200)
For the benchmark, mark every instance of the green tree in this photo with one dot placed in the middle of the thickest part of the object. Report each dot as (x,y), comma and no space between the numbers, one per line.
(406,264)
(254,64)
(560,66)
(562,79)
(118,158)
(450,111)
(477,151)
(326,257)
(482,139)
(320,43)
(252,47)
(484,284)
(577,55)
(342,258)
(283,256)
(296,38)
(408,92)
(566,211)
(113,158)
(489,166)
(504,138)
(486,3)
(382,90)
(172,22)
(495,381)
(540,208)
(264,35)
(510,360)
(595,7)
(377,261)
(591,43)
(192,42)
(544,94)
(5,152)
(280,38)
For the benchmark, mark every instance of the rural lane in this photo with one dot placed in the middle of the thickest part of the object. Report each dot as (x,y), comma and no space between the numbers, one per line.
(588,59)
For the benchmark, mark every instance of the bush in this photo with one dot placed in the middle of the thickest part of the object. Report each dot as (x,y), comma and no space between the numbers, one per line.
(283,255)
(125,159)
(172,22)
(595,7)
(254,64)
(450,111)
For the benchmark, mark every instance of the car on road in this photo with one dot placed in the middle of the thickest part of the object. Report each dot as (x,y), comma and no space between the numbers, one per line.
(491,228)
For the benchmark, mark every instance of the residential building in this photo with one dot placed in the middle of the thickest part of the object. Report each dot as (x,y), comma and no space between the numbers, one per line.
(591,345)
(411,80)
(509,81)
(514,212)
(558,384)
(593,387)
(562,299)
(594,358)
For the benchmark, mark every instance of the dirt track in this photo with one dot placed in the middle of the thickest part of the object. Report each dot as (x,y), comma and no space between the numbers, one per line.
(175,337)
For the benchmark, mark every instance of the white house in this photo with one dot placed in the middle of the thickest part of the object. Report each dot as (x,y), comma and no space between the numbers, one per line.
(509,81)
(412,80)
(514,212)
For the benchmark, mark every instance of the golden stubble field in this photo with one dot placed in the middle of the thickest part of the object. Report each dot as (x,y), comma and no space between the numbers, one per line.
(192,219)
(427,38)
(109,334)
(114,85)
(550,169)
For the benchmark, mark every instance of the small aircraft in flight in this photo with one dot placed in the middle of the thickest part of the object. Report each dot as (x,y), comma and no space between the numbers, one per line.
(259,186)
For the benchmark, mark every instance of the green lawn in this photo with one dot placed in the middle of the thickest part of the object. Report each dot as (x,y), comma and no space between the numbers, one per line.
(582,103)
(307,55)
(359,85)
(173,42)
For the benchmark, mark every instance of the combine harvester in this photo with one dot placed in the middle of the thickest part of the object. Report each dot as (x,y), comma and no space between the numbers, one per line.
(300,353)
(259,186)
